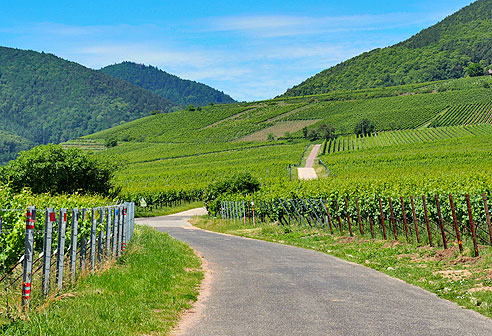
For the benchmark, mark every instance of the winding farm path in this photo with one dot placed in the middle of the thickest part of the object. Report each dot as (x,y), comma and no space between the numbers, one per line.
(308,172)
(262,288)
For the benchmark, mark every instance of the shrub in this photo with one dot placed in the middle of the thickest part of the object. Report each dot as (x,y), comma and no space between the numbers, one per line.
(52,169)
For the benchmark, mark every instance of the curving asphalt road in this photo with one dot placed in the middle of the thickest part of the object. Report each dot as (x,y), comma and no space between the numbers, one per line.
(262,288)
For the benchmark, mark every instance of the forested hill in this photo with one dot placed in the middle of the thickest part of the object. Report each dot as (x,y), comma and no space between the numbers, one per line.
(180,91)
(44,98)
(443,51)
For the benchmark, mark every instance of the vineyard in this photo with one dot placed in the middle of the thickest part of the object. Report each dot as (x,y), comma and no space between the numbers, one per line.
(402,137)
(173,157)
(465,115)
(437,220)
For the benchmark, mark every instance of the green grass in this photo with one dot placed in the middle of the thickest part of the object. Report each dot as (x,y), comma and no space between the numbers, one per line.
(165,210)
(144,293)
(459,278)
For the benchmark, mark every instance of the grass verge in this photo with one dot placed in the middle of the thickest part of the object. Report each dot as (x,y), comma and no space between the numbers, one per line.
(143,294)
(457,277)
(167,210)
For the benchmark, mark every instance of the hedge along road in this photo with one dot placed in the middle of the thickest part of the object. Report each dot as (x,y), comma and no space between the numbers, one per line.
(263,288)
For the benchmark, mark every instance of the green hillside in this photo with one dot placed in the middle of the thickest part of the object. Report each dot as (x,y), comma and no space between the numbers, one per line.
(180,91)
(44,98)
(402,107)
(443,51)
(184,151)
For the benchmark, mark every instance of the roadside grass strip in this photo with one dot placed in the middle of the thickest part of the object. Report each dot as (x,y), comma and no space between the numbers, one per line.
(144,293)
(461,278)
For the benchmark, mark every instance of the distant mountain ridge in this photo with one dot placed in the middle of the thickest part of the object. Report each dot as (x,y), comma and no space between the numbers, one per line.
(442,51)
(44,98)
(180,91)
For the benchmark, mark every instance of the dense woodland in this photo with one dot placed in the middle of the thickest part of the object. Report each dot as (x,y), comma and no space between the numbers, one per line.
(180,91)
(443,51)
(44,98)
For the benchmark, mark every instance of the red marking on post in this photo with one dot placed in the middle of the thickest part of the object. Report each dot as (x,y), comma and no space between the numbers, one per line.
(29,226)
(52,217)
(30,220)
(28,214)
(65,216)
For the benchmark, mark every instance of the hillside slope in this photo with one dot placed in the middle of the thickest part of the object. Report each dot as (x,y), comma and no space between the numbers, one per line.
(442,51)
(44,98)
(180,91)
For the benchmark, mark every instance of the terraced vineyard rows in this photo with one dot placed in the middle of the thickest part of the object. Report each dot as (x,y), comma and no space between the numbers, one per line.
(401,137)
(465,115)
(389,113)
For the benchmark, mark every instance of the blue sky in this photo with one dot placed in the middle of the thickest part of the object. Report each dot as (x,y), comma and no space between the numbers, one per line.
(251,49)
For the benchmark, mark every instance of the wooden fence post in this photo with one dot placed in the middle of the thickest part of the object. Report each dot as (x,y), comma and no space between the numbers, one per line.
(472,225)
(415,220)
(348,217)
(427,223)
(393,221)
(487,216)
(441,222)
(358,216)
(455,221)
(404,214)
(382,218)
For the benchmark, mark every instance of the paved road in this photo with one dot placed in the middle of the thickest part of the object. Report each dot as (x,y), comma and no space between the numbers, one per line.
(308,173)
(312,156)
(261,288)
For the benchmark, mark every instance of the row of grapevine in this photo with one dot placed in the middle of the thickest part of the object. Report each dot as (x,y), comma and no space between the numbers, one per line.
(467,114)
(438,220)
(401,137)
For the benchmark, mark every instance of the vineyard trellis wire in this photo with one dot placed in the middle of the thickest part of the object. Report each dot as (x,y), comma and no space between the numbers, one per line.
(77,240)
(434,221)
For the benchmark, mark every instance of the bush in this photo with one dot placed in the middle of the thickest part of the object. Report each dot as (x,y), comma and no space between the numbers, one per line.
(110,142)
(364,127)
(52,169)
(242,183)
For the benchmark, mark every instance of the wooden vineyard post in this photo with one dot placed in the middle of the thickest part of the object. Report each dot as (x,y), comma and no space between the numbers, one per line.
(441,223)
(427,223)
(472,225)
(404,215)
(393,221)
(415,220)
(487,215)
(455,221)
(348,217)
(338,217)
(382,218)
(50,218)
(358,216)
(28,256)
(62,227)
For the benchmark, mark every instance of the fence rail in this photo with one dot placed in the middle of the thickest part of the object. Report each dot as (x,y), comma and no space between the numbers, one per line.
(56,249)
(436,220)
